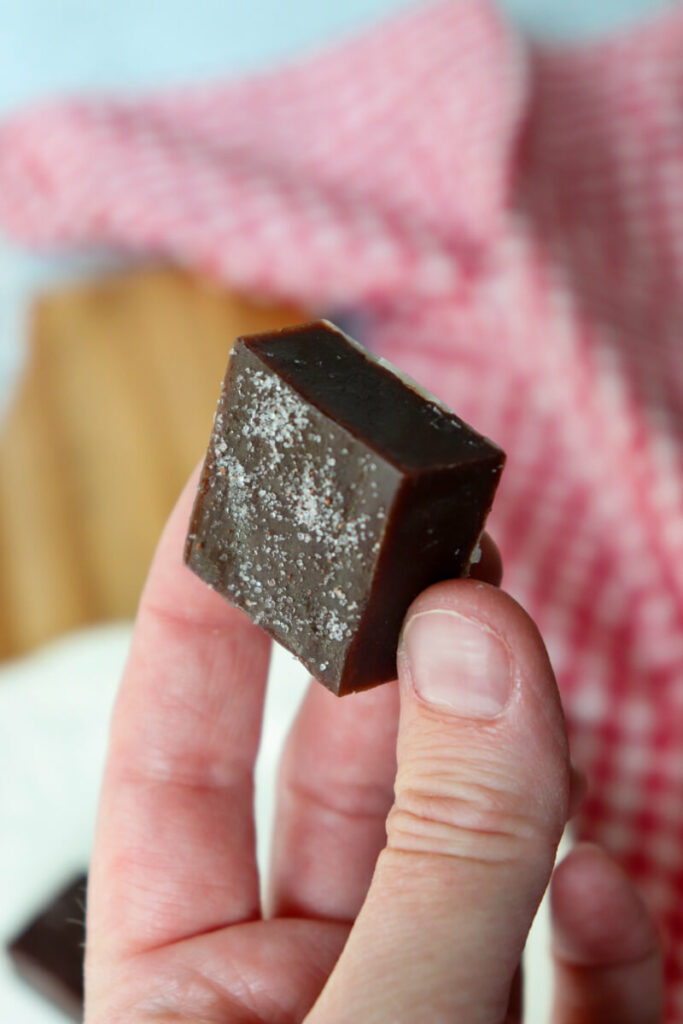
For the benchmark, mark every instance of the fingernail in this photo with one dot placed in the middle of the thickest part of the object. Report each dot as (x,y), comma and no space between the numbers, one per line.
(457,663)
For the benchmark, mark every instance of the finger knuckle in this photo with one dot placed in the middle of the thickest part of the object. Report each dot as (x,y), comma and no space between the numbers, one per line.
(455,817)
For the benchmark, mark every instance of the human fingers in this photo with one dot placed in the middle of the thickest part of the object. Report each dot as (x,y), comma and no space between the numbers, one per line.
(578,787)
(482,794)
(577,793)
(174,849)
(607,960)
(335,790)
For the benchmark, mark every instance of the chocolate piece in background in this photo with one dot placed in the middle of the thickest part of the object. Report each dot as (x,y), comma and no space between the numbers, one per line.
(334,490)
(48,954)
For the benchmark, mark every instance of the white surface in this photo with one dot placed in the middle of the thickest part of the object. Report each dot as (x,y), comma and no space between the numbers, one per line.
(54,709)
(54,714)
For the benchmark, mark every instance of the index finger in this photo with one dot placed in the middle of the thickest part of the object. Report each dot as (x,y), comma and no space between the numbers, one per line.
(175,843)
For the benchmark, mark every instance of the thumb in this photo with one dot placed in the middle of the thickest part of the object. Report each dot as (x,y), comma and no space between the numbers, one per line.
(481,799)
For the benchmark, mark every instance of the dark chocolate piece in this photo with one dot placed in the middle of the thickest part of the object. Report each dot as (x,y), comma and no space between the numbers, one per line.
(49,952)
(334,490)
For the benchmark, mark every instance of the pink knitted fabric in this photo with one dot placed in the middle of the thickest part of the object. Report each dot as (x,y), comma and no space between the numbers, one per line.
(509,218)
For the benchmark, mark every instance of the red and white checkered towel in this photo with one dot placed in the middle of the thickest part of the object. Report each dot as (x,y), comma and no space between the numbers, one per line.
(510,220)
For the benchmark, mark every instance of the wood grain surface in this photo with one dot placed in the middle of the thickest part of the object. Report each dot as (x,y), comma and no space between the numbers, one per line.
(114,410)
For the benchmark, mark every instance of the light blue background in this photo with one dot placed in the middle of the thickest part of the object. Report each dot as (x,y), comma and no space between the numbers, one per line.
(55,46)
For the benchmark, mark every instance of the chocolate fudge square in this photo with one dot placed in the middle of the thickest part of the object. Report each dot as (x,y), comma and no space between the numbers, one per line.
(334,490)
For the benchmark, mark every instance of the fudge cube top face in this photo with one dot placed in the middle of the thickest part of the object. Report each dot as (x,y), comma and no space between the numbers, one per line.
(370,398)
(322,464)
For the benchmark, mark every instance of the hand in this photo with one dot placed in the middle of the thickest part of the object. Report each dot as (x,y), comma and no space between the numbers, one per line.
(410,908)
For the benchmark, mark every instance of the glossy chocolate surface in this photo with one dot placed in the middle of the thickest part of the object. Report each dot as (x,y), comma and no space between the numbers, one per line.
(334,490)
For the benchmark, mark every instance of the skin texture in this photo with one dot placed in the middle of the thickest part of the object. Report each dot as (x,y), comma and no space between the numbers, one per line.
(412,842)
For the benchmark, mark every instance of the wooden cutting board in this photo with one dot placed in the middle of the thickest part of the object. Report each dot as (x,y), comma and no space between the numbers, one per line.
(114,410)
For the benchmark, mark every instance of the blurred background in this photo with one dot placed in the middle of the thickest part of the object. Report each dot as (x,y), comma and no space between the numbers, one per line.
(109,372)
